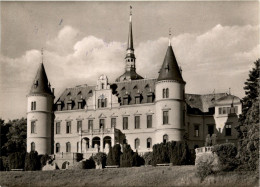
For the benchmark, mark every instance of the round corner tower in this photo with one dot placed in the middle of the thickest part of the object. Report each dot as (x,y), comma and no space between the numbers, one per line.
(40,114)
(170,100)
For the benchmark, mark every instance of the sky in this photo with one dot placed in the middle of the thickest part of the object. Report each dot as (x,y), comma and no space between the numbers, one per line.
(215,43)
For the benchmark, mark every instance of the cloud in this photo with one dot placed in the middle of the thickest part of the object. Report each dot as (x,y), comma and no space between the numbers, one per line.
(217,59)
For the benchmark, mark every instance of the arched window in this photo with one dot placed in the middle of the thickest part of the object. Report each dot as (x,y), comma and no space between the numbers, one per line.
(167,92)
(32,146)
(149,142)
(68,147)
(57,147)
(137,143)
(165,138)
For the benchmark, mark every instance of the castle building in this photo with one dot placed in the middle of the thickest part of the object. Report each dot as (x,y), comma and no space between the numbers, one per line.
(142,112)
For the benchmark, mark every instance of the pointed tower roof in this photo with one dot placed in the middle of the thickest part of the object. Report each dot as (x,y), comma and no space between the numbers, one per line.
(130,44)
(40,84)
(170,69)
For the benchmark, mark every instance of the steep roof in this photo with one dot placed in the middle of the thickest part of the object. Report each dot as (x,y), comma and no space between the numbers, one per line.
(40,82)
(129,75)
(170,69)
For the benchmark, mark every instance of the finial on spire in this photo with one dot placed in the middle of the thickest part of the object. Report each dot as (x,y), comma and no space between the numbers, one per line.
(42,54)
(170,36)
(130,13)
(229,91)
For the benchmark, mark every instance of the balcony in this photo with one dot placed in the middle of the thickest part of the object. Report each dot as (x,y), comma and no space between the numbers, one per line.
(97,131)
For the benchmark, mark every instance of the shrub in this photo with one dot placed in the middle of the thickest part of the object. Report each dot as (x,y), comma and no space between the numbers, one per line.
(126,159)
(160,154)
(16,160)
(89,164)
(227,156)
(148,156)
(113,157)
(100,158)
(32,161)
(137,160)
(204,169)
(44,159)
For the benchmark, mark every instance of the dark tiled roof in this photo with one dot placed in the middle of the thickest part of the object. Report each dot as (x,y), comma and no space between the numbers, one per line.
(170,69)
(198,104)
(40,82)
(128,89)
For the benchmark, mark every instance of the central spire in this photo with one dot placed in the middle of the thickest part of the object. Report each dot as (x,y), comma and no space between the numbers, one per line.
(130,69)
(130,44)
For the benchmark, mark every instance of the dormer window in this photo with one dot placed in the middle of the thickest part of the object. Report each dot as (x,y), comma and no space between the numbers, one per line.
(102,103)
(80,105)
(102,86)
(69,105)
(150,97)
(126,99)
(35,84)
(59,105)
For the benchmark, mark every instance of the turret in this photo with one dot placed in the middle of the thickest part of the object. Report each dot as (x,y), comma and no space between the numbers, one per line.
(40,114)
(170,100)
(130,69)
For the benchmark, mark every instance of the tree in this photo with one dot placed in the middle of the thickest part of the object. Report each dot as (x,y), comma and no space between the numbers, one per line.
(16,160)
(113,157)
(16,136)
(248,128)
(100,158)
(126,159)
(4,129)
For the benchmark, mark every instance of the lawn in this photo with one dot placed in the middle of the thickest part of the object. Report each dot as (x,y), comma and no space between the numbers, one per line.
(136,176)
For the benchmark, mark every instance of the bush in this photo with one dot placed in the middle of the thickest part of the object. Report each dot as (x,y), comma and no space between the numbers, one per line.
(177,153)
(160,154)
(44,159)
(227,156)
(5,161)
(148,156)
(89,164)
(100,158)
(113,157)
(204,169)
(126,159)
(137,160)
(16,160)
(32,161)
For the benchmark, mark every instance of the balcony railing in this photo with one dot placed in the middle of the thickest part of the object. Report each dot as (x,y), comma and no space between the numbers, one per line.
(97,131)
(204,150)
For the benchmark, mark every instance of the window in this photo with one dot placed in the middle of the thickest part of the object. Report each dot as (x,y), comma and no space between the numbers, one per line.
(69,106)
(68,127)
(137,143)
(102,103)
(149,142)
(165,117)
(167,92)
(228,129)
(102,85)
(164,93)
(78,143)
(165,138)
(149,98)
(58,128)
(125,101)
(224,110)
(32,146)
(137,122)
(125,123)
(113,122)
(59,107)
(33,127)
(79,126)
(196,130)
(33,105)
(149,121)
(236,109)
(137,100)
(90,124)
(219,110)
(57,147)
(210,129)
(80,105)
(68,147)
(102,123)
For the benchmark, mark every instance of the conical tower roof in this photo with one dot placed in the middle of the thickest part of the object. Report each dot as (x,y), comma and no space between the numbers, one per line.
(170,69)
(40,84)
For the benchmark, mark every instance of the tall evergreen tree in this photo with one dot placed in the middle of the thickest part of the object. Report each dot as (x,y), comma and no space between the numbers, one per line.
(248,128)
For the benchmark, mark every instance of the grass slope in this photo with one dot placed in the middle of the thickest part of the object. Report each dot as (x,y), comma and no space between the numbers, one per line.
(142,176)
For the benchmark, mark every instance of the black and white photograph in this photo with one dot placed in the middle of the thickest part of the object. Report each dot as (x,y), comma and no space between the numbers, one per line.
(129,93)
